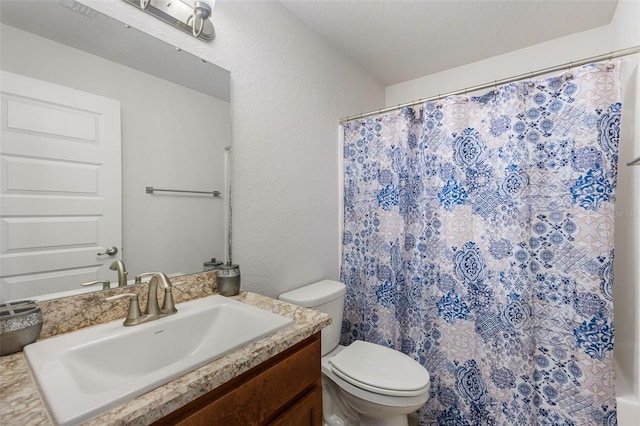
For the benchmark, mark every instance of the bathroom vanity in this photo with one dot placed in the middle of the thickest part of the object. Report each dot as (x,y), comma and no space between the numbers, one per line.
(274,380)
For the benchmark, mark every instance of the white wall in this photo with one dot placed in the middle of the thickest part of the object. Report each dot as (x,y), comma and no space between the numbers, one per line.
(288,91)
(622,32)
(543,55)
(162,146)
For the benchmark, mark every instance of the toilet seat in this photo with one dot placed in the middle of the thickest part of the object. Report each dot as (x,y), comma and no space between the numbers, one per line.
(380,370)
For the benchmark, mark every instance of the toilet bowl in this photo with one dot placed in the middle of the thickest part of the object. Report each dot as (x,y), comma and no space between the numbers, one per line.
(363,383)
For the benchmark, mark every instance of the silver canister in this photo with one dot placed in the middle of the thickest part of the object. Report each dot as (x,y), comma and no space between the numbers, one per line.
(20,324)
(229,280)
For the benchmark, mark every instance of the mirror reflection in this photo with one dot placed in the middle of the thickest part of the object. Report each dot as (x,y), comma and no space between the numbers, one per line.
(93,113)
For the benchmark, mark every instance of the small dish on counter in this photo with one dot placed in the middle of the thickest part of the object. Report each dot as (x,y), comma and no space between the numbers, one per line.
(20,324)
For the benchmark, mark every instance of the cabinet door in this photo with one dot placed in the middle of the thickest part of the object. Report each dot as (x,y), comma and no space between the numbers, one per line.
(307,411)
(281,390)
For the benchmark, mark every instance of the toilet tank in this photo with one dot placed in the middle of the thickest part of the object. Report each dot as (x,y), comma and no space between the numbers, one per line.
(326,296)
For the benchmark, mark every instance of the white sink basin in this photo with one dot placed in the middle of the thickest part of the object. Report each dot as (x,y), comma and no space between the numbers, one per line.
(84,373)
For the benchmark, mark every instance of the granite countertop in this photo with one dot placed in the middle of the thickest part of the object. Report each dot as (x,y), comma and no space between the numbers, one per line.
(20,403)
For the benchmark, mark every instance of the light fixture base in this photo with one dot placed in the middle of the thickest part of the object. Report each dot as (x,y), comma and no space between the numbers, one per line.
(203,9)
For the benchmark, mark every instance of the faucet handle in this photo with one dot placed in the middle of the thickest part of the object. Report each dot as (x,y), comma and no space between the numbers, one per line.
(162,280)
(106,285)
(134,313)
(168,306)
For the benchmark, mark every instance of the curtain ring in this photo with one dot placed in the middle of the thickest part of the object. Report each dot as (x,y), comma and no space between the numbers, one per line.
(531,83)
(569,75)
(495,87)
(610,65)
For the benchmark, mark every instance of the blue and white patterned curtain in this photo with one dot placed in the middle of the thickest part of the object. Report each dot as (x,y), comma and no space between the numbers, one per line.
(478,239)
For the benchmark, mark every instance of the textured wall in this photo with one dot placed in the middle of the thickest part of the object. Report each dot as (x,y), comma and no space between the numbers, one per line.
(543,55)
(288,90)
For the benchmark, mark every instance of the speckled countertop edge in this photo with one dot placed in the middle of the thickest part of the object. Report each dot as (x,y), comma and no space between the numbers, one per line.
(21,405)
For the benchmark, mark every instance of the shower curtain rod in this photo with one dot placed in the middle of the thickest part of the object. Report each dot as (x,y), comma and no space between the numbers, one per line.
(603,57)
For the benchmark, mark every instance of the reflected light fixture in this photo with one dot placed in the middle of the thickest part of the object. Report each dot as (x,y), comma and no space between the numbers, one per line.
(190,16)
(80,8)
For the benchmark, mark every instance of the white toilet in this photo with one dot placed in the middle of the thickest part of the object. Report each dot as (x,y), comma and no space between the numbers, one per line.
(364,383)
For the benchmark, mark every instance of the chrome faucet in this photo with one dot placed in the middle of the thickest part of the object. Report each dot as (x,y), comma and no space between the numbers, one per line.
(153,311)
(118,266)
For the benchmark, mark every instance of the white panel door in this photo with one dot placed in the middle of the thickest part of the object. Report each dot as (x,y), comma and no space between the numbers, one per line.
(60,187)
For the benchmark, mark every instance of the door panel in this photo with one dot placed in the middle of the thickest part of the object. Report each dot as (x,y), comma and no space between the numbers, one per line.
(50,176)
(53,232)
(50,119)
(24,286)
(60,187)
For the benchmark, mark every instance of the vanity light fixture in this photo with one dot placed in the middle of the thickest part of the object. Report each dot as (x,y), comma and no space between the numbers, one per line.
(190,16)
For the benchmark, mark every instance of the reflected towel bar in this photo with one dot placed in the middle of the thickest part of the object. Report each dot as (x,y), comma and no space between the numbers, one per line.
(634,162)
(151,190)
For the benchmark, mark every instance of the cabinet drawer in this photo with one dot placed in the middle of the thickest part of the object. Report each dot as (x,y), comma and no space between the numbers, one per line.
(260,395)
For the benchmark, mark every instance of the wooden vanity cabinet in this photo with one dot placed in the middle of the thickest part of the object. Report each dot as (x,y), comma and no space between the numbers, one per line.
(284,391)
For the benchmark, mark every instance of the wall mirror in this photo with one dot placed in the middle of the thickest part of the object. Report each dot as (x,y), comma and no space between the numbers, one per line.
(75,83)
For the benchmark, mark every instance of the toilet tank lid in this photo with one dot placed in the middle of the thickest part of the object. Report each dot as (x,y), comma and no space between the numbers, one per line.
(315,294)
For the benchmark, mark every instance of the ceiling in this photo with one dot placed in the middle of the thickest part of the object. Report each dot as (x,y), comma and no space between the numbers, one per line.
(400,40)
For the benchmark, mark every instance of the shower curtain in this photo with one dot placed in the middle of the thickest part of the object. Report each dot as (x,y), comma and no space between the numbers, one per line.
(478,239)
